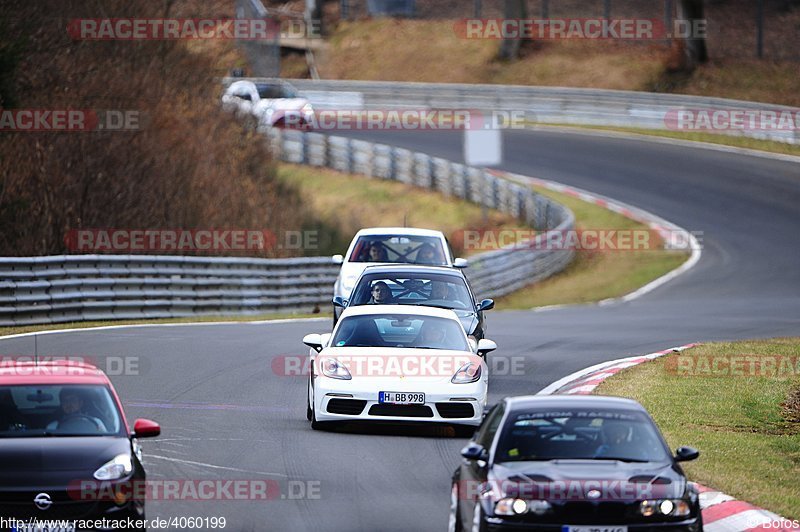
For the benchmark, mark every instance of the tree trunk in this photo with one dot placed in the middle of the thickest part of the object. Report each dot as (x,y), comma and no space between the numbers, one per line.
(512,9)
(694,45)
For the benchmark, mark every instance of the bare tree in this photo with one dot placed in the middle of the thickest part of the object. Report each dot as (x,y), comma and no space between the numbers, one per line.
(512,9)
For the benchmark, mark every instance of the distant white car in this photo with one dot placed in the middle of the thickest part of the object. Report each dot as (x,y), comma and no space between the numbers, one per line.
(397,363)
(274,103)
(391,245)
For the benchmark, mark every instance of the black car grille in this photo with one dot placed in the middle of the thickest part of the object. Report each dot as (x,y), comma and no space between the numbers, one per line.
(350,407)
(591,513)
(401,410)
(455,410)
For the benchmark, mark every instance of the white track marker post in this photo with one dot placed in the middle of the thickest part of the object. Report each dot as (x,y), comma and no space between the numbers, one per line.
(483,147)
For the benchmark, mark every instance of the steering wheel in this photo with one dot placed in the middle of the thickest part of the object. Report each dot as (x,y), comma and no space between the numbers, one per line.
(78,423)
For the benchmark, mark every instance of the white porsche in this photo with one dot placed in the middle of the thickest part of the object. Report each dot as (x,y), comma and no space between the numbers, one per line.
(397,363)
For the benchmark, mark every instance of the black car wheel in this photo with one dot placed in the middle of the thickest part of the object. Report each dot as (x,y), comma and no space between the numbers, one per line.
(478,521)
(454,523)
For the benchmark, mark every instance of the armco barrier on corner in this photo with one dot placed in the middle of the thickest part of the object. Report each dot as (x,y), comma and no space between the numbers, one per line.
(547,105)
(72,288)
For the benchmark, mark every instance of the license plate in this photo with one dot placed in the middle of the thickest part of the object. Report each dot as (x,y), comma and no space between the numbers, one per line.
(401,398)
(567,528)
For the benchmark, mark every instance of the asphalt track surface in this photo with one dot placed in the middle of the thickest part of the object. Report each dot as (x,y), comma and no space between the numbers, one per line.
(227,415)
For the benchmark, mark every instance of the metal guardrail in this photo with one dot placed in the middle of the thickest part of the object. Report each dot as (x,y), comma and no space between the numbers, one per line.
(69,288)
(557,105)
(491,274)
(72,288)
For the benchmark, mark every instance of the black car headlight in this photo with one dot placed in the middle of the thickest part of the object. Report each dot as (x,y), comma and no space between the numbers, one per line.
(510,506)
(665,507)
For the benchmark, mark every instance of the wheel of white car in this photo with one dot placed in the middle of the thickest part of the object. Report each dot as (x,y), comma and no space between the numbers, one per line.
(309,413)
(316,425)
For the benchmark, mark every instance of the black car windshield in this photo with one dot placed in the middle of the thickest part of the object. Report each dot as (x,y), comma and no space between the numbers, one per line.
(403,330)
(431,289)
(401,249)
(57,410)
(627,436)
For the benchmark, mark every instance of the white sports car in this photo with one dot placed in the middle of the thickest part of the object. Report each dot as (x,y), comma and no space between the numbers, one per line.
(397,363)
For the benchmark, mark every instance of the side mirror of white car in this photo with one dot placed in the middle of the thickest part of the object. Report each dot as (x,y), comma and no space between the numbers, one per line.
(486,346)
(460,263)
(314,341)
(338,259)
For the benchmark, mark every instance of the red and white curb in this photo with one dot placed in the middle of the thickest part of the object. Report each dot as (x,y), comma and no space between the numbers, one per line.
(721,512)
(674,236)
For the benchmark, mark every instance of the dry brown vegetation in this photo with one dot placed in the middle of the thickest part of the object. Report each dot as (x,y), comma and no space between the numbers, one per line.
(428,49)
(190,165)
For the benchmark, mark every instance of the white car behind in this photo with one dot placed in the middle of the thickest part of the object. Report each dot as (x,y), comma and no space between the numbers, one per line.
(402,245)
(397,363)
(273,102)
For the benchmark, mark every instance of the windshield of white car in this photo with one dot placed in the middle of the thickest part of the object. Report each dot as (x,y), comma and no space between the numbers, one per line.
(428,289)
(399,249)
(266,91)
(402,330)
(58,410)
(626,436)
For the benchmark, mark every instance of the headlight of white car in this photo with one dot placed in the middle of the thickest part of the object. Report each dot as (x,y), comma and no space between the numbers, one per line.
(330,367)
(120,466)
(469,372)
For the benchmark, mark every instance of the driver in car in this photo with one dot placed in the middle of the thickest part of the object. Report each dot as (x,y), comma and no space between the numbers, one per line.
(432,337)
(73,407)
(381,294)
(616,441)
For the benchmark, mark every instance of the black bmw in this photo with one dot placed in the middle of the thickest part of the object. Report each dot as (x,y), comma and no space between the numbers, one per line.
(572,464)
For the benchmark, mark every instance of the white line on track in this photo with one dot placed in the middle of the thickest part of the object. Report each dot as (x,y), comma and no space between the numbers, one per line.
(212,466)
(139,325)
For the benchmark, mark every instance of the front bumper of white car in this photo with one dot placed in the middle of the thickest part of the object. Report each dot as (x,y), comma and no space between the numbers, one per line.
(445,402)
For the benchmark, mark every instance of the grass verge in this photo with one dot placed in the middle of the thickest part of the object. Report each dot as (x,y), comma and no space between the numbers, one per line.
(346,203)
(744,417)
(594,276)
